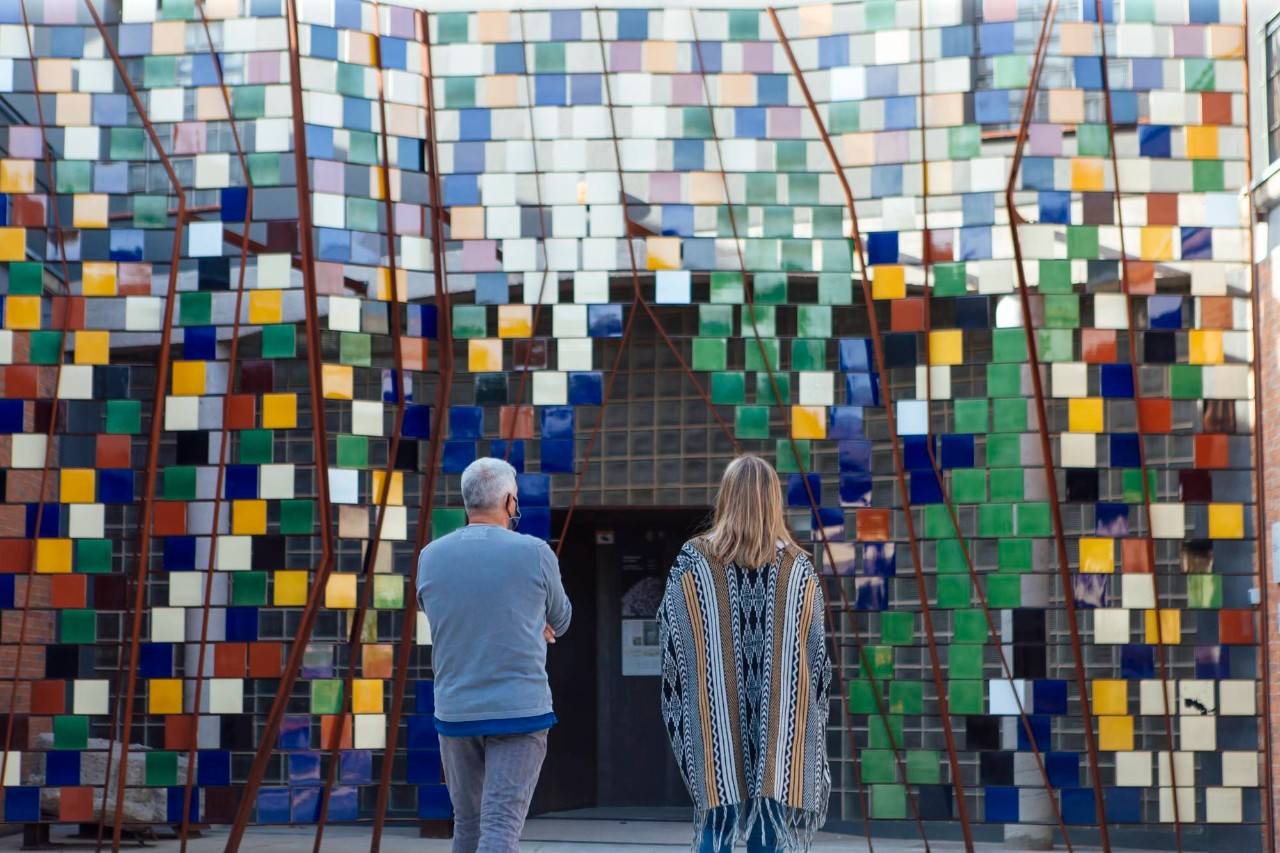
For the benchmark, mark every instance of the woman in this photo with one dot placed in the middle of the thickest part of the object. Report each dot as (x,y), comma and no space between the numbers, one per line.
(745,672)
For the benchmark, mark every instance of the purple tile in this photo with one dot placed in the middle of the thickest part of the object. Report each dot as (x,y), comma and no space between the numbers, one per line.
(757,57)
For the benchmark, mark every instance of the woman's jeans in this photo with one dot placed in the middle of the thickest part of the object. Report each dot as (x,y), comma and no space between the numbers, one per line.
(761,840)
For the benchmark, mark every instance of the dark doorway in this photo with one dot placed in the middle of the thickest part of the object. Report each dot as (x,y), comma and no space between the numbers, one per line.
(610,748)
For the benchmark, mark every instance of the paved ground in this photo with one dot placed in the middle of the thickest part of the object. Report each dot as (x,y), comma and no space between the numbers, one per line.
(541,836)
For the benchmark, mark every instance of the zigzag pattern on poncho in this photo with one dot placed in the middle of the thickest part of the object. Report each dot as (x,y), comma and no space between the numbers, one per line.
(745,680)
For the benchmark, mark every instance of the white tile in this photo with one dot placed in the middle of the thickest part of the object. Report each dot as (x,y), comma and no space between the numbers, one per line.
(90,696)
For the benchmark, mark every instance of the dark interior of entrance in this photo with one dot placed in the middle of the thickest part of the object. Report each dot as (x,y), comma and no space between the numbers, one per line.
(610,748)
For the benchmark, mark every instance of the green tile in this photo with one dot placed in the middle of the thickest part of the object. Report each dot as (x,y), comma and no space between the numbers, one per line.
(779,221)
(264,169)
(828,222)
(728,389)
(924,767)
(844,117)
(767,289)
(889,802)
(937,522)
(1185,382)
(257,447)
(835,289)
(1055,345)
(353,451)
(362,213)
(744,24)
(1008,345)
(549,57)
(1207,176)
(1198,74)
(813,321)
(1004,380)
(761,255)
(897,627)
(762,188)
(791,155)
(1013,555)
(279,341)
(775,391)
(326,696)
(969,626)
(1092,140)
(964,142)
(969,485)
(954,591)
(1011,72)
(388,593)
(1140,10)
(792,456)
(965,696)
(159,72)
(710,354)
(1055,276)
(1082,242)
(878,660)
(1033,519)
(802,189)
(124,417)
(884,733)
(861,697)
(726,288)
(1204,591)
(351,81)
(881,14)
(877,765)
(249,589)
(44,347)
(807,354)
(179,482)
(249,102)
(1007,485)
(1062,310)
(995,520)
(459,92)
(1009,414)
(79,627)
(470,321)
(297,517)
(758,353)
(970,415)
(127,143)
(1004,592)
(195,308)
(1004,451)
(949,556)
(71,731)
(446,520)
(964,660)
(1131,481)
(491,389)
(696,123)
(161,769)
(751,422)
(74,176)
(451,27)
(906,697)
(356,349)
(93,556)
(797,256)
(715,321)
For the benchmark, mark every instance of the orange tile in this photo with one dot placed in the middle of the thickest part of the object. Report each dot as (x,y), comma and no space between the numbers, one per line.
(228,660)
(1217,312)
(328,722)
(242,411)
(907,315)
(68,591)
(873,525)
(1235,627)
(1098,346)
(265,660)
(1212,450)
(75,805)
(170,518)
(1155,415)
(114,451)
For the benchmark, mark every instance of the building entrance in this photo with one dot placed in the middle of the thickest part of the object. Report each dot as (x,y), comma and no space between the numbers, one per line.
(610,748)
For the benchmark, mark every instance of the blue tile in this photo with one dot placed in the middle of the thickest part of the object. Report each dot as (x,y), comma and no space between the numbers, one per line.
(424,768)
(750,123)
(957,451)
(533,489)
(992,107)
(508,58)
(1049,696)
(536,521)
(304,805)
(466,422)
(1088,72)
(996,38)
(855,489)
(604,321)
(856,354)
(1123,805)
(21,805)
(586,388)
(115,485)
(422,728)
(242,624)
(1062,768)
(1124,450)
(1138,660)
(1154,140)
(798,494)
(355,767)
(557,455)
(1001,805)
(417,421)
(1078,807)
(295,733)
(200,343)
(879,560)
(179,553)
(1055,207)
(1197,244)
(1164,312)
(457,455)
(845,422)
(882,248)
(241,482)
(833,51)
(1116,380)
(304,768)
(1041,729)
(515,456)
(925,487)
(433,803)
(213,767)
(855,456)
(175,796)
(61,768)
(155,660)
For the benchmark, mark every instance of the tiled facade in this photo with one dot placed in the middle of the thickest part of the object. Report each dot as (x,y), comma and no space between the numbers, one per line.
(562,175)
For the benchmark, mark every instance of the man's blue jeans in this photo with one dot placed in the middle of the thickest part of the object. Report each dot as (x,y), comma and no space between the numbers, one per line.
(761,840)
(491,781)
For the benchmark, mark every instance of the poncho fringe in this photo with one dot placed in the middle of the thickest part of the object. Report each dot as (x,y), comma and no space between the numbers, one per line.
(739,648)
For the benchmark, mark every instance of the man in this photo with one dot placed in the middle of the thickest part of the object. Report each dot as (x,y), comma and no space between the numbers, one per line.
(494,600)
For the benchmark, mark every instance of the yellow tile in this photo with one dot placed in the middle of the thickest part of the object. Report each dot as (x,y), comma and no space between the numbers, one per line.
(515,321)
(78,485)
(888,281)
(53,556)
(1204,346)
(706,188)
(366,695)
(164,696)
(17,176)
(662,253)
(279,411)
(1157,243)
(1202,142)
(1085,414)
(266,307)
(98,278)
(1170,631)
(1115,734)
(946,346)
(484,355)
(340,591)
(248,517)
(89,211)
(290,588)
(1086,174)
(1110,696)
(1066,106)
(13,247)
(808,421)
(395,494)
(1097,555)
(1226,521)
(93,347)
(188,378)
(338,381)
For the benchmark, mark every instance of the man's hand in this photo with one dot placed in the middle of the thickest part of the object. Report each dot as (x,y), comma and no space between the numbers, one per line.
(548,635)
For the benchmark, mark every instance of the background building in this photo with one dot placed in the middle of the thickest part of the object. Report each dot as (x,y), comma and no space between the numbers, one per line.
(275,272)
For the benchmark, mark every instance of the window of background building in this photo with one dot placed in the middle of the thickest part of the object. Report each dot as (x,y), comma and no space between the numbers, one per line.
(1273,89)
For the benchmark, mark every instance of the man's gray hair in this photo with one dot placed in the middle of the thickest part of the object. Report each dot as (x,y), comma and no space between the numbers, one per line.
(486,483)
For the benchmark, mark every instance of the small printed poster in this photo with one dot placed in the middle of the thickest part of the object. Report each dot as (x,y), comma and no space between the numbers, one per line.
(641,654)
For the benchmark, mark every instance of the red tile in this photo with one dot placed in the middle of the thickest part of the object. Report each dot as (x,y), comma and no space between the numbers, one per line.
(170,518)
(1212,450)
(1133,557)
(49,697)
(228,660)
(1235,627)
(906,315)
(265,660)
(1155,415)
(114,451)
(75,805)
(68,591)
(1098,346)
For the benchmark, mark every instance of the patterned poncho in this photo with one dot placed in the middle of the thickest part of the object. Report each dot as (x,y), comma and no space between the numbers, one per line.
(745,676)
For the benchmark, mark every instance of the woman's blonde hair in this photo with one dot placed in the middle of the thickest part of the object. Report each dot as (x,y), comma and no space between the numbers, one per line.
(748,522)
